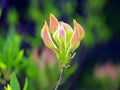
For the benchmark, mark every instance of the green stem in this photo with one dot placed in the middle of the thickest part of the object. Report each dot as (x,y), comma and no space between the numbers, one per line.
(60,78)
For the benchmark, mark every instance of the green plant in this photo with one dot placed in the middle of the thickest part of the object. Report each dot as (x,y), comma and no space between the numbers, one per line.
(14,84)
(11,56)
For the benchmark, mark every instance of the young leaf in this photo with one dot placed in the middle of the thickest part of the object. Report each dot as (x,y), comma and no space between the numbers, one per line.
(8,87)
(25,84)
(12,44)
(14,82)
(19,56)
(2,66)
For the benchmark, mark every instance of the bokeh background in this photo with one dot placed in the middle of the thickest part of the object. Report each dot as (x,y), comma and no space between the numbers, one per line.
(96,64)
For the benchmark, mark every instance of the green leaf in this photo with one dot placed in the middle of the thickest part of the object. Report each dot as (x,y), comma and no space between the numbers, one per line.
(19,56)
(2,66)
(8,46)
(70,71)
(14,82)
(12,16)
(25,84)
(12,45)
(8,87)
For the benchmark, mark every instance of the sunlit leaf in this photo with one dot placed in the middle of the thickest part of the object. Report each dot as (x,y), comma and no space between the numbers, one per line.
(2,66)
(8,87)
(25,84)
(19,56)
(14,82)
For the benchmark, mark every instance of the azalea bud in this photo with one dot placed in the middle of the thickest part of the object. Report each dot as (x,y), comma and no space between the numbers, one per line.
(63,39)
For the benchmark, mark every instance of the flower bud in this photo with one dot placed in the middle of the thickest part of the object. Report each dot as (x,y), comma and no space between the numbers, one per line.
(63,39)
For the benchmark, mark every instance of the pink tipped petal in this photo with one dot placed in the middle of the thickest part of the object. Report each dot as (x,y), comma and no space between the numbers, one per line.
(53,23)
(45,34)
(69,32)
(79,27)
(67,27)
(61,33)
(75,40)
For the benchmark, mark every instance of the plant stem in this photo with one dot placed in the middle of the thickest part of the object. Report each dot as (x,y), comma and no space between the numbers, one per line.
(60,78)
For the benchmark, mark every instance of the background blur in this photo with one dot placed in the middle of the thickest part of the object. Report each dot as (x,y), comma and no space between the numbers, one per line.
(96,65)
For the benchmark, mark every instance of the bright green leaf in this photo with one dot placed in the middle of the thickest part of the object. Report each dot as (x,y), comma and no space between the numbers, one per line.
(8,87)
(26,84)
(14,82)
(12,45)
(19,56)
(2,66)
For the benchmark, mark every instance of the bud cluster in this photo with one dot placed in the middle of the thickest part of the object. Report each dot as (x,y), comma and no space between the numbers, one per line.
(62,39)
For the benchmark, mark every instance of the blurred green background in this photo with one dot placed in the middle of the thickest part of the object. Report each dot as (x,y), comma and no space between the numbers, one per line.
(96,64)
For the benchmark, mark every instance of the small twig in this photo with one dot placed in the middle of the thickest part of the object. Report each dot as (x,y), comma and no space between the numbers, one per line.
(60,78)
